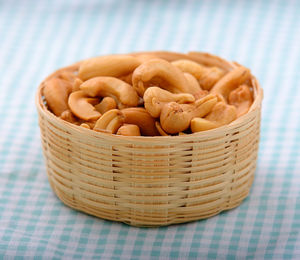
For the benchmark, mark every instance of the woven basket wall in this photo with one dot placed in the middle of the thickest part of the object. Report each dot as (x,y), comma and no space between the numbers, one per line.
(152,181)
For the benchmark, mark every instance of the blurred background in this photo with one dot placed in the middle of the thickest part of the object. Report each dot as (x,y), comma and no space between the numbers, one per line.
(38,37)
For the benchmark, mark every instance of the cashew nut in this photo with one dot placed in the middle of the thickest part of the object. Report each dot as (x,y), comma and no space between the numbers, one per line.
(176,117)
(165,55)
(221,114)
(140,117)
(123,93)
(127,78)
(76,84)
(155,98)
(199,124)
(56,92)
(145,57)
(200,94)
(91,124)
(241,98)
(142,58)
(210,77)
(110,121)
(129,130)
(230,81)
(158,72)
(68,116)
(106,104)
(111,65)
(159,129)
(85,125)
(72,78)
(207,76)
(193,83)
(81,105)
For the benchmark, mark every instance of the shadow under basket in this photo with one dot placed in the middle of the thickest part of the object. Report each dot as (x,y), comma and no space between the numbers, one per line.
(152,181)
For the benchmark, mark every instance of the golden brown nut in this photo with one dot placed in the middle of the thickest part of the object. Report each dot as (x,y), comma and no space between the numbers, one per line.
(106,104)
(91,124)
(241,98)
(155,98)
(158,72)
(76,84)
(111,65)
(176,117)
(159,129)
(129,130)
(230,81)
(199,124)
(68,76)
(207,76)
(56,92)
(71,78)
(68,116)
(110,121)
(140,117)
(127,78)
(84,125)
(145,57)
(81,105)
(194,85)
(123,93)
(220,115)
(165,55)
(201,94)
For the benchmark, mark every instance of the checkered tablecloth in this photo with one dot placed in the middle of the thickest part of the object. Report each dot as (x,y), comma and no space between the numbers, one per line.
(38,37)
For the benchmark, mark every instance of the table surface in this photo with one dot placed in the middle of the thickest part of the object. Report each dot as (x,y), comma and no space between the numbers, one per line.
(38,37)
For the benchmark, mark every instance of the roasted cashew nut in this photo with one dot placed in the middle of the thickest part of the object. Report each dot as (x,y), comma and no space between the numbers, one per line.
(221,114)
(201,94)
(231,81)
(127,78)
(176,117)
(145,57)
(110,121)
(241,98)
(111,65)
(140,117)
(155,98)
(68,116)
(106,104)
(207,76)
(123,93)
(129,130)
(56,92)
(199,124)
(85,125)
(72,78)
(165,55)
(158,72)
(142,58)
(194,85)
(82,105)
(159,129)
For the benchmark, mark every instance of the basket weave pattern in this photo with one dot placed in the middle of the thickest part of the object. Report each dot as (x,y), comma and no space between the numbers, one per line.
(151,181)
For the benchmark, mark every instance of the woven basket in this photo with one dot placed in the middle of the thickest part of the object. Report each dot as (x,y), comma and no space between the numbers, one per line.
(152,181)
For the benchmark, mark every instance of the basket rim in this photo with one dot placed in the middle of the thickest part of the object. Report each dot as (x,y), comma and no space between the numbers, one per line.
(256,105)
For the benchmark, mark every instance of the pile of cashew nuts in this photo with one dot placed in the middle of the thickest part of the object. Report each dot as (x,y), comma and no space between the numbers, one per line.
(143,94)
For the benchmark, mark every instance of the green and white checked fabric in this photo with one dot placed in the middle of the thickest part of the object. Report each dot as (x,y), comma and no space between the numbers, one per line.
(37,37)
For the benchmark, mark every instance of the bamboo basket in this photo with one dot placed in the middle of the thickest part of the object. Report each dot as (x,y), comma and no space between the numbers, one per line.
(152,181)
